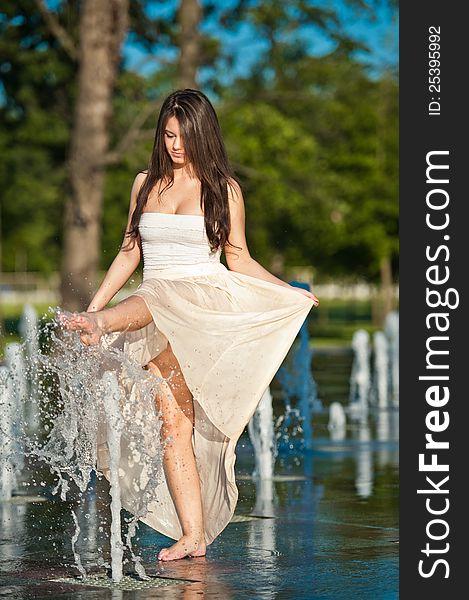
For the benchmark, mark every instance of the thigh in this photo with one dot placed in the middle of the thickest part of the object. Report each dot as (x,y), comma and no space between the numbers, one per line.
(175,395)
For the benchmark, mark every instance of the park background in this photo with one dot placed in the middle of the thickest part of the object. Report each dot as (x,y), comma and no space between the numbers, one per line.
(307,98)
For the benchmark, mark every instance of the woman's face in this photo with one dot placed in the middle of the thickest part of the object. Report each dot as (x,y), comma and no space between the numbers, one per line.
(173,141)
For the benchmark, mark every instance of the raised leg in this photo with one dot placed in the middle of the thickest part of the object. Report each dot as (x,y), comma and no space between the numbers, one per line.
(130,314)
(176,405)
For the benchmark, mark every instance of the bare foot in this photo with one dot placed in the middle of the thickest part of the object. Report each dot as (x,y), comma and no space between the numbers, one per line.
(186,546)
(88,324)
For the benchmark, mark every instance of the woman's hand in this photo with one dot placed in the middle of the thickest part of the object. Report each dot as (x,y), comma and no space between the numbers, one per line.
(306,293)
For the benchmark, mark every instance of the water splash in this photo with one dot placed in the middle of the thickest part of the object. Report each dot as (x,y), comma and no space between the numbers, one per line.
(360,376)
(10,458)
(262,436)
(391,329)
(131,531)
(289,428)
(29,331)
(296,379)
(75,537)
(91,402)
(380,370)
(337,421)
(364,461)
(112,399)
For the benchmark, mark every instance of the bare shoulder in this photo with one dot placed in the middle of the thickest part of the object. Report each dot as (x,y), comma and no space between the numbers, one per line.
(138,181)
(235,193)
(137,184)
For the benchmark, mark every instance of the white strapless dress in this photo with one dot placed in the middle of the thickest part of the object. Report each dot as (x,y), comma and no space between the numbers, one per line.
(229,332)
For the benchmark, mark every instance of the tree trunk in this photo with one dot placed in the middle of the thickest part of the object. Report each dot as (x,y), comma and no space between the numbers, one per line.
(103,25)
(189,17)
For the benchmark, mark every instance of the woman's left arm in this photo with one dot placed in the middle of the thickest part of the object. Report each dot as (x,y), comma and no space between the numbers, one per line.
(238,258)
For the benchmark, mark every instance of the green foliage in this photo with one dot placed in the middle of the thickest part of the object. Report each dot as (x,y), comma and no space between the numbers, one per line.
(323,141)
(38,83)
(280,177)
(313,140)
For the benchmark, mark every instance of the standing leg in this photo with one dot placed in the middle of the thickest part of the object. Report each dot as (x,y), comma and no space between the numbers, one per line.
(177,409)
(129,315)
(176,405)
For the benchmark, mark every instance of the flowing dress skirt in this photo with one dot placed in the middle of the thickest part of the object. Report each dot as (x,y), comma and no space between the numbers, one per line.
(230,333)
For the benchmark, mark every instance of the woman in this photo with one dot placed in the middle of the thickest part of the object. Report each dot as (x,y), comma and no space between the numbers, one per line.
(216,336)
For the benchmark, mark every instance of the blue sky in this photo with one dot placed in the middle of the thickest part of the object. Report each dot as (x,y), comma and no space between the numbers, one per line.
(380,34)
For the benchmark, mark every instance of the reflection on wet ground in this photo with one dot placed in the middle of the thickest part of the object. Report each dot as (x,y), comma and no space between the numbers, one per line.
(326,528)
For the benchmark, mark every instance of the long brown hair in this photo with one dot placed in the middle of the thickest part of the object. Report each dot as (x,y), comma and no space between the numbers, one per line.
(205,151)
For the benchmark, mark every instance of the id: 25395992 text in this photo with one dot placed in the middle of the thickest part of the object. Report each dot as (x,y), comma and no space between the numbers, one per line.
(434,70)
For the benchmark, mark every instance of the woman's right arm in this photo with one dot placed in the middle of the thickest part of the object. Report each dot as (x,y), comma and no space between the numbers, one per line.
(125,263)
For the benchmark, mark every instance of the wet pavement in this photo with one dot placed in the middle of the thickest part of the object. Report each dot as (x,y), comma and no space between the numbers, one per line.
(325,528)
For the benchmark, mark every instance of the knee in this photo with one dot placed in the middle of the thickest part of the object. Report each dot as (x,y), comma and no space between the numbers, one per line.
(175,427)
